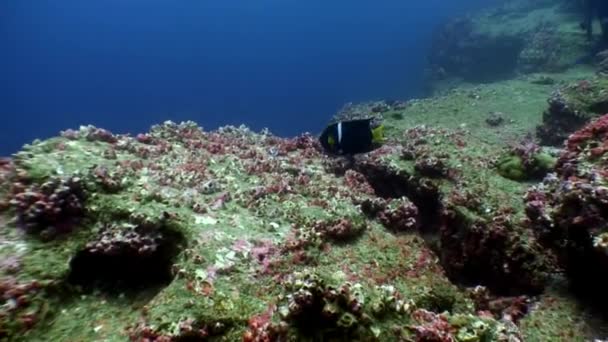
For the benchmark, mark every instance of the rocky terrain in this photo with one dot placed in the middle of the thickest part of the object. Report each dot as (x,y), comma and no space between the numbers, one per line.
(481,218)
(511,38)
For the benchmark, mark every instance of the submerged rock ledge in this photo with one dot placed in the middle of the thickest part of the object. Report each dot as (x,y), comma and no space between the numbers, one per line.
(233,235)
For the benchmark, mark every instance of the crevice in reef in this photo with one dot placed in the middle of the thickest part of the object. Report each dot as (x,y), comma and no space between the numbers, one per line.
(473,251)
(599,107)
(476,251)
(388,184)
(127,258)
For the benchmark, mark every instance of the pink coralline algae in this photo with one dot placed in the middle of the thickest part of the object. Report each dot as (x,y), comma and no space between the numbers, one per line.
(485,249)
(593,136)
(399,215)
(110,180)
(187,329)
(20,307)
(6,168)
(570,108)
(265,253)
(339,230)
(10,264)
(432,327)
(145,139)
(305,142)
(262,329)
(120,239)
(569,210)
(52,208)
(356,181)
(505,308)
(90,133)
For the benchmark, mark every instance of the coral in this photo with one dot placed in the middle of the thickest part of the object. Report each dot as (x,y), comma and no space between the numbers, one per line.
(568,210)
(372,206)
(10,264)
(110,180)
(49,209)
(390,301)
(431,326)
(318,309)
(7,170)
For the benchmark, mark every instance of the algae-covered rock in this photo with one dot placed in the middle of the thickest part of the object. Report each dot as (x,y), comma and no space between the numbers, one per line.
(569,210)
(525,167)
(571,107)
(512,36)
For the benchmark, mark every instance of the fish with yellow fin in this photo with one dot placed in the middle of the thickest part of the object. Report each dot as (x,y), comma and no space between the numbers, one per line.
(352,137)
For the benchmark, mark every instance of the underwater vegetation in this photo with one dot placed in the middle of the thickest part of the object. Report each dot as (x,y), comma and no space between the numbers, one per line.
(462,226)
(525,161)
(568,210)
(179,233)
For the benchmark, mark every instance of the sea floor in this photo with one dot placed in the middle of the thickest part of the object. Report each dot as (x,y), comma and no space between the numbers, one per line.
(266,238)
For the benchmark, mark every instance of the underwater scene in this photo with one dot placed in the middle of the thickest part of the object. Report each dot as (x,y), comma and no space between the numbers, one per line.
(298,171)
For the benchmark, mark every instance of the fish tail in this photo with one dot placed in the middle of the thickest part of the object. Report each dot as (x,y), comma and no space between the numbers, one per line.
(378,135)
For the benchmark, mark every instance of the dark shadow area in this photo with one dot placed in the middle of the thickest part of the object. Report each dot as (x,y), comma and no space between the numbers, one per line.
(599,107)
(472,251)
(388,183)
(126,268)
(586,279)
(480,252)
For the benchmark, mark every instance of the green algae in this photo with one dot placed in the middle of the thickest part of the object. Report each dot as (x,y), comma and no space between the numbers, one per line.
(512,166)
(399,265)
(403,261)
(558,316)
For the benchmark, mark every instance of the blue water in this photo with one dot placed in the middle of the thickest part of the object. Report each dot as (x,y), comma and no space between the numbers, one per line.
(283,64)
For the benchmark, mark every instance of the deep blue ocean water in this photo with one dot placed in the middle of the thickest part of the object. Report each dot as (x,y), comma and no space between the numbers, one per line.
(284,64)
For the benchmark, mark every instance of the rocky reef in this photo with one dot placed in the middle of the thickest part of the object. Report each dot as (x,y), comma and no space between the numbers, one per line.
(572,106)
(461,227)
(568,210)
(509,38)
(525,161)
(180,233)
